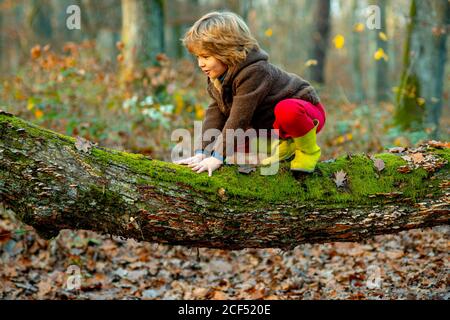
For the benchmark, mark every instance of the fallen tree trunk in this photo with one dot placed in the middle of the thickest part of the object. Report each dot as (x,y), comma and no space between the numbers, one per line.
(53,182)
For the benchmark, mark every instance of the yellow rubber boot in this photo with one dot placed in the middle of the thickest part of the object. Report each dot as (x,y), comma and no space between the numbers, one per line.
(307,152)
(280,150)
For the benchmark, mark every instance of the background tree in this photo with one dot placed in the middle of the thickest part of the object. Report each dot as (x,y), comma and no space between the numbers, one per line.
(142,34)
(38,26)
(419,99)
(180,15)
(320,35)
(381,67)
(358,28)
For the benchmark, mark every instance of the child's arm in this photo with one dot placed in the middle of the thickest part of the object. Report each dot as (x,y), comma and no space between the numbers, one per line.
(214,119)
(251,88)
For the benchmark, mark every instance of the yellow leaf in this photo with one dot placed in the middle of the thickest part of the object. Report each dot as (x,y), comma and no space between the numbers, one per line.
(268,32)
(199,111)
(38,114)
(339,41)
(359,27)
(380,54)
(179,103)
(421,101)
(30,104)
(349,137)
(383,36)
(311,62)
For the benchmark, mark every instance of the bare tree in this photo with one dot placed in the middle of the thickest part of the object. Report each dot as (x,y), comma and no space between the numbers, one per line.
(320,35)
(420,96)
(142,34)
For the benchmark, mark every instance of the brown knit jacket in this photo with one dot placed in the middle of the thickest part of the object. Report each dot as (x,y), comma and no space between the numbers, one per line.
(248,95)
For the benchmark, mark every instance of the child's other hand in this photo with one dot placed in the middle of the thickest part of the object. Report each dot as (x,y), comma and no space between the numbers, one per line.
(192,160)
(209,164)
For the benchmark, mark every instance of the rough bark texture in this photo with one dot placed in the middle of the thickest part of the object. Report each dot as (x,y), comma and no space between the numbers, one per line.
(420,97)
(381,67)
(320,40)
(142,34)
(52,184)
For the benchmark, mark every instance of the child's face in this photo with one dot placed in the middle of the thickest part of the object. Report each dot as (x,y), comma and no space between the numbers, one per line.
(211,66)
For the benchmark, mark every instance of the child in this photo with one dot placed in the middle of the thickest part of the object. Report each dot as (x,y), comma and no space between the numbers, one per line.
(249,92)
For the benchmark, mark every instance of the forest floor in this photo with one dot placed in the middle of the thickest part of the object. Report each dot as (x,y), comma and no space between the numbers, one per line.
(410,265)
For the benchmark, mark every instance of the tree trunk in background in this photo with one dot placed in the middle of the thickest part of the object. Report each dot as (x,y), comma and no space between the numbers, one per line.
(53,183)
(420,94)
(106,32)
(358,88)
(240,7)
(142,35)
(382,74)
(320,36)
(38,28)
(58,18)
(179,17)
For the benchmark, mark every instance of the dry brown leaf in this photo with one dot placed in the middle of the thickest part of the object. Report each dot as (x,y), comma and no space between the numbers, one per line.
(44,287)
(396,150)
(379,164)
(84,145)
(417,158)
(219,295)
(439,144)
(339,178)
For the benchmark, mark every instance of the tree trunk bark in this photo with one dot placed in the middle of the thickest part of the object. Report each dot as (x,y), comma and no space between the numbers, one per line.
(382,75)
(420,95)
(358,88)
(54,182)
(320,40)
(37,22)
(142,34)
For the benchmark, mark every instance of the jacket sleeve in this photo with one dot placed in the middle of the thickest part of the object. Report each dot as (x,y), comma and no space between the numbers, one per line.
(251,88)
(214,119)
(308,93)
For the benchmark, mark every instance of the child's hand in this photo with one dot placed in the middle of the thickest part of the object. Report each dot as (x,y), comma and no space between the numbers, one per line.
(209,164)
(192,160)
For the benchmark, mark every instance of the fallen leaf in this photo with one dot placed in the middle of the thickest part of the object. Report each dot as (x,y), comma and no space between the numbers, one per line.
(339,178)
(222,193)
(396,150)
(439,144)
(44,288)
(417,158)
(83,145)
(379,164)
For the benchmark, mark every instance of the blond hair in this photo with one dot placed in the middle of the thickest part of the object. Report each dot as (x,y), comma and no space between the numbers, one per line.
(223,35)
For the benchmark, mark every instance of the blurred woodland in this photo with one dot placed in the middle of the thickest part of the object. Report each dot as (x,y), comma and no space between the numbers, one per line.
(124,80)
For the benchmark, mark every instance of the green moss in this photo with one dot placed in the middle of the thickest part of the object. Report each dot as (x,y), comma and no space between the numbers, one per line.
(35,130)
(318,187)
(443,153)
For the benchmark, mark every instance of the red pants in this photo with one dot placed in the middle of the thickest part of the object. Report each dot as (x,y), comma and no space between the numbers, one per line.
(294,117)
